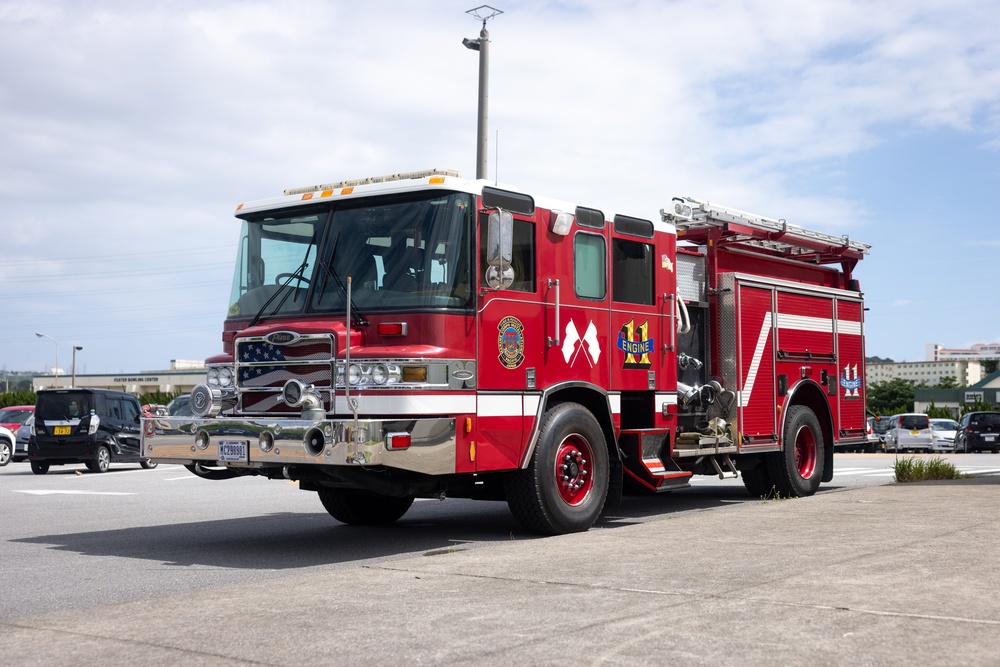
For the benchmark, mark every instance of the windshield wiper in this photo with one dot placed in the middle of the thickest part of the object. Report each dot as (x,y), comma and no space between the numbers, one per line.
(352,310)
(299,272)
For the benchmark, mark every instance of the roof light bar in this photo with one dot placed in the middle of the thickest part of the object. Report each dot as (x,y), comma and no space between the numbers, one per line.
(402,176)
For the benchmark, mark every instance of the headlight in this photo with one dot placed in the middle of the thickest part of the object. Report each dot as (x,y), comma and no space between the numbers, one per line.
(225,376)
(380,374)
(213,377)
(354,374)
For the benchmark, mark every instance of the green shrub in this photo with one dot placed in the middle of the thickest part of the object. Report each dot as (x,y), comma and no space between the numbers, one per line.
(913,469)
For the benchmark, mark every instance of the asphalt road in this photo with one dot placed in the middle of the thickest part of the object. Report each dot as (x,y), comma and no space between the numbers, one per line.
(76,541)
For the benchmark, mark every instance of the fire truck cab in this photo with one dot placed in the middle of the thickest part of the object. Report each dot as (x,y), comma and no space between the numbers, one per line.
(422,335)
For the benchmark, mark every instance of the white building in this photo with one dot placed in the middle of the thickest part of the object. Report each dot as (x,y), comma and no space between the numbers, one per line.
(978,352)
(929,373)
(180,379)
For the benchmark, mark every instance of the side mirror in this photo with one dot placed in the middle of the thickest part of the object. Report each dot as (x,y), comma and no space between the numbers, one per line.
(499,250)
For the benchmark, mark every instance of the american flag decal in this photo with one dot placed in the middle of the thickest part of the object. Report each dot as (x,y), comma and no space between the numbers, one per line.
(264,365)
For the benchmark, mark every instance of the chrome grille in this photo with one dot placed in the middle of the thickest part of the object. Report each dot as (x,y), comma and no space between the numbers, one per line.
(263,367)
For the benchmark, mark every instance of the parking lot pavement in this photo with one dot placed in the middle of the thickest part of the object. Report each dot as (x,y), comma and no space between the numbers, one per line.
(887,574)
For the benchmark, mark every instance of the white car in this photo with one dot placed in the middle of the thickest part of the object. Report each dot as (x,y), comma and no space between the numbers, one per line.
(7,440)
(910,432)
(943,431)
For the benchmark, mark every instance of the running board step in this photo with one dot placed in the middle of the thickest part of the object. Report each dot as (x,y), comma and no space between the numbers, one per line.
(647,460)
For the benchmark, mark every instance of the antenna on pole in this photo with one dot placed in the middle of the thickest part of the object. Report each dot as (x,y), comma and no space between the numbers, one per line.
(482,13)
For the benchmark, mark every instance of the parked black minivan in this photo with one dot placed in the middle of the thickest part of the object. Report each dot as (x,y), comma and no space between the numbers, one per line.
(91,426)
(978,431)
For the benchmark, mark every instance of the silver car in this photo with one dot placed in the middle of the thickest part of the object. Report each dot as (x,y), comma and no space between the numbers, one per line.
(943,431)
(910,432)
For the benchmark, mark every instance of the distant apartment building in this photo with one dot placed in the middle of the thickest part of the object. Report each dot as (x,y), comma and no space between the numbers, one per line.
(928,373)
(978,352)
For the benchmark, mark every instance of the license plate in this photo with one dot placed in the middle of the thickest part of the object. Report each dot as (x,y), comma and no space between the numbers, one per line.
(62,430)
(914,432)
(989,438)
(234,451)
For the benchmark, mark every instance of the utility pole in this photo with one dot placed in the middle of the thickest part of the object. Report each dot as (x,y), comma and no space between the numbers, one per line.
(483,13)
(75,349)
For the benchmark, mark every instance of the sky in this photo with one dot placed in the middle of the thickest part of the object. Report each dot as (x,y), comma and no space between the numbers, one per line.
(130,131)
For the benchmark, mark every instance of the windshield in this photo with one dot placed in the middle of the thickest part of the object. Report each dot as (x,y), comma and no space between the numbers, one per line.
(401,253)
(913,421)
(11,415)
(63,406)
(883,424)
(275,255)
(944,426)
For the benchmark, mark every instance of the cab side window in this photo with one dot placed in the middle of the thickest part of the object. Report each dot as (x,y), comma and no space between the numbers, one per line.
(114,406)
(590,266)
(522,255)
(633,272)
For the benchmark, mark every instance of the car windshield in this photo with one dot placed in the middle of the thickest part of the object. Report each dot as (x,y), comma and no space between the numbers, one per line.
(63,406)
(401,253)
(944,426)
(986,419)
(913,421)
(882,425)
(11,415)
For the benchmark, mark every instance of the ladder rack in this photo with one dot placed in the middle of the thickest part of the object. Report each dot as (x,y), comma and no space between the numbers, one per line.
(701,221)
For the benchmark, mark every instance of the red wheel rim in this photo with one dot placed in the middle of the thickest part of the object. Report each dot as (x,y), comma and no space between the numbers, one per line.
(574,469)
(805,452)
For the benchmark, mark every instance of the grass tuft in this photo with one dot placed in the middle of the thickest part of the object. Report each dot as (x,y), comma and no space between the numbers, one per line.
(919,470)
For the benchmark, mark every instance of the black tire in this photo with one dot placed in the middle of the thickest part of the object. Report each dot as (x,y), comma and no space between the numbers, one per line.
(363,508)
(147,464)
(39,468)
(6,452)
(798,468)
(102,460)
(758,481)
(564,487)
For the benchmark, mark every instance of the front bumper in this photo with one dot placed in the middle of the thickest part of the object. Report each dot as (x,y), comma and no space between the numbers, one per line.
(273,441)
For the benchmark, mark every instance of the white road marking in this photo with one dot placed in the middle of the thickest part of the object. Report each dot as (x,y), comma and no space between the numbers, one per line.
(75,493)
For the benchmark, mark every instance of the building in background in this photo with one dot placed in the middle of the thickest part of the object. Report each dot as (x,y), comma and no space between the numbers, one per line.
(978,352)
(181,378)
(986,391)
(928,373)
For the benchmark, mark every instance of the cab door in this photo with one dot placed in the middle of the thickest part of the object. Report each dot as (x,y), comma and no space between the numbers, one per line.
(639,315)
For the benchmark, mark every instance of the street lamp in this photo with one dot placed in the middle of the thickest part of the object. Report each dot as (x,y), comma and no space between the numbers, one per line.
(41,335)
(484,13)
(75,348)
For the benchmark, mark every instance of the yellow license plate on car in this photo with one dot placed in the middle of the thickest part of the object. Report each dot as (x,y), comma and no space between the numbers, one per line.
(914,432)
(62,430)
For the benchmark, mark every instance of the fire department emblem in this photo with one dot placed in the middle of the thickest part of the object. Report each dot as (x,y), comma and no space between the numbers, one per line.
(635,342)
(850,381)
(511,342)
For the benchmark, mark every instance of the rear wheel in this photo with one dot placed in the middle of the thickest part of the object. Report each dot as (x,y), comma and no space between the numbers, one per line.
(798,468)
(564,487)
(363,508)
(39,468)
(147,464)
(102,460)
(6,452)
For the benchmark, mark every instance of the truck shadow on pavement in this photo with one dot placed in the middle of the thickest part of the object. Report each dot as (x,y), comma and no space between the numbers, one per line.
(286,541)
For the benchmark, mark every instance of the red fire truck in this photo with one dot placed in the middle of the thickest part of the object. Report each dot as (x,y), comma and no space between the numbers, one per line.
(422,335)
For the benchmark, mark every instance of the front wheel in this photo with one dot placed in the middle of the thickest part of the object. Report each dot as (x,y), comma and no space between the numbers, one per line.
(6,452)
(564,487)
(363,508)
(102,460)
(147,464)
(798,468)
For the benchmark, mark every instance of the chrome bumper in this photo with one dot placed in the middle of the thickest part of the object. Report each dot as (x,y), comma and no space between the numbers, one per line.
(329,442)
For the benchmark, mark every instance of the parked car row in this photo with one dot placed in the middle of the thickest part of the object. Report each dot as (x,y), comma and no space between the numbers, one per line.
(916,432)
(96,427)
